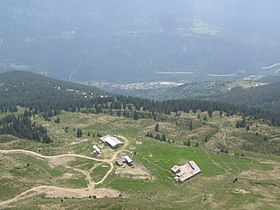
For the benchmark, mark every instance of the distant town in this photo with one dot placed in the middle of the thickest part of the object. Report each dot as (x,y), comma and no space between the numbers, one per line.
(135,86)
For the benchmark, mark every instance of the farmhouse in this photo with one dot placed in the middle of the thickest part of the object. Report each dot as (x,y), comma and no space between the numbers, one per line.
(96,149)
(120,161)
(124,159)
(111,141)
(185,172)
(128,160)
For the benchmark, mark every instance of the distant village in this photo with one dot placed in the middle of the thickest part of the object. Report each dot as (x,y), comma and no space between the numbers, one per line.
(136,86)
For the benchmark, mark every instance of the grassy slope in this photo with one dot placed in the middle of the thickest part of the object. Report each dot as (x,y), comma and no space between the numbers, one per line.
(218,170)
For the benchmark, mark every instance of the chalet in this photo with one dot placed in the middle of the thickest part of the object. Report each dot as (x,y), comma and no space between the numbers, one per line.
(120,161)
(124,159)
(96,149)
(128,160)
(185,172)
(111,141)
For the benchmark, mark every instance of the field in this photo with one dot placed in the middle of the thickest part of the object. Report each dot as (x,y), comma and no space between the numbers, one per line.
(67,175)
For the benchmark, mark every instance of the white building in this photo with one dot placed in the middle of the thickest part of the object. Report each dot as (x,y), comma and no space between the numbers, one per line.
(185,172)
(124,159)
(128,160)
(96,149)
(113,142)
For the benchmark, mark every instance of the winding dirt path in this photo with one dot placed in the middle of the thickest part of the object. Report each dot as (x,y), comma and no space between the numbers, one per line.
(59,192)
(215,163)
(44,157)
(224,136)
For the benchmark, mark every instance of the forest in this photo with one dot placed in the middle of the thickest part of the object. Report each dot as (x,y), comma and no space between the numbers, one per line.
(48,97)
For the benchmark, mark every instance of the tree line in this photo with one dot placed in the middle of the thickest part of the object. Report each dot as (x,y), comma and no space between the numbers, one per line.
(22,127)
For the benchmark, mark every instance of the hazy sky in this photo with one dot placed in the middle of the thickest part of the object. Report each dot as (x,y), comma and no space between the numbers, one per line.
(97,36)
(239,16)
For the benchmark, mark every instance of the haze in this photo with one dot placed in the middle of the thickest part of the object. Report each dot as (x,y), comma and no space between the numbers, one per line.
(128,41)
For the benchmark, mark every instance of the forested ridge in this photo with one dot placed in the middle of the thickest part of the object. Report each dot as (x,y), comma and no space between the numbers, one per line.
(40,93)
(48,97)
(265,97)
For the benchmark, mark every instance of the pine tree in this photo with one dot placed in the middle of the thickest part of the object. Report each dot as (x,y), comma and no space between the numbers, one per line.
(187,143)
(205,118)
(57,120)
(210,112)
(157,137)
(135,115)
(79,133)
(157,128)
(190,126)
(163,137)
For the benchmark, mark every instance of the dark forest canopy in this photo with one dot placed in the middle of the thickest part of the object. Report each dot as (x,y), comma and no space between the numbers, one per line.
(22,127)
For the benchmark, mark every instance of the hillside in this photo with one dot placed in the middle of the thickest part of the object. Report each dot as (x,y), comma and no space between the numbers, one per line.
(197,90)
(48,160)
(266,97)
(67,174)
(32,90)
(264,93)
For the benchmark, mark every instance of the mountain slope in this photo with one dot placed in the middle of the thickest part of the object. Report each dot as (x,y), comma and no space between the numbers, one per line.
(33,90)
(50,96)
(266,97)
(264,94)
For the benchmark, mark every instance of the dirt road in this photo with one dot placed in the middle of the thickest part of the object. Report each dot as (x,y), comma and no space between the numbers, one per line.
(59,192)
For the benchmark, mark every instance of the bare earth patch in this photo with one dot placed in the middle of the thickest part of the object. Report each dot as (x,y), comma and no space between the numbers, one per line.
(66,176)
(241,191)
(55,192)
(53,162)
(139,142)
(58,192)
(135,172)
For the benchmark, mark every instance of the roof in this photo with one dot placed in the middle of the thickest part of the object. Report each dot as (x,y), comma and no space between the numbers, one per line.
(120,161)
(113,141)
(194,166)
(128,159)
(104,138)
(185,175)
(96,148)
(175,169)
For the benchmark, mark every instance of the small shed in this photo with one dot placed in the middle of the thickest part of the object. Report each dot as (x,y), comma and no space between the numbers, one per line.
(128,160)
(96,149)
(120,161)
